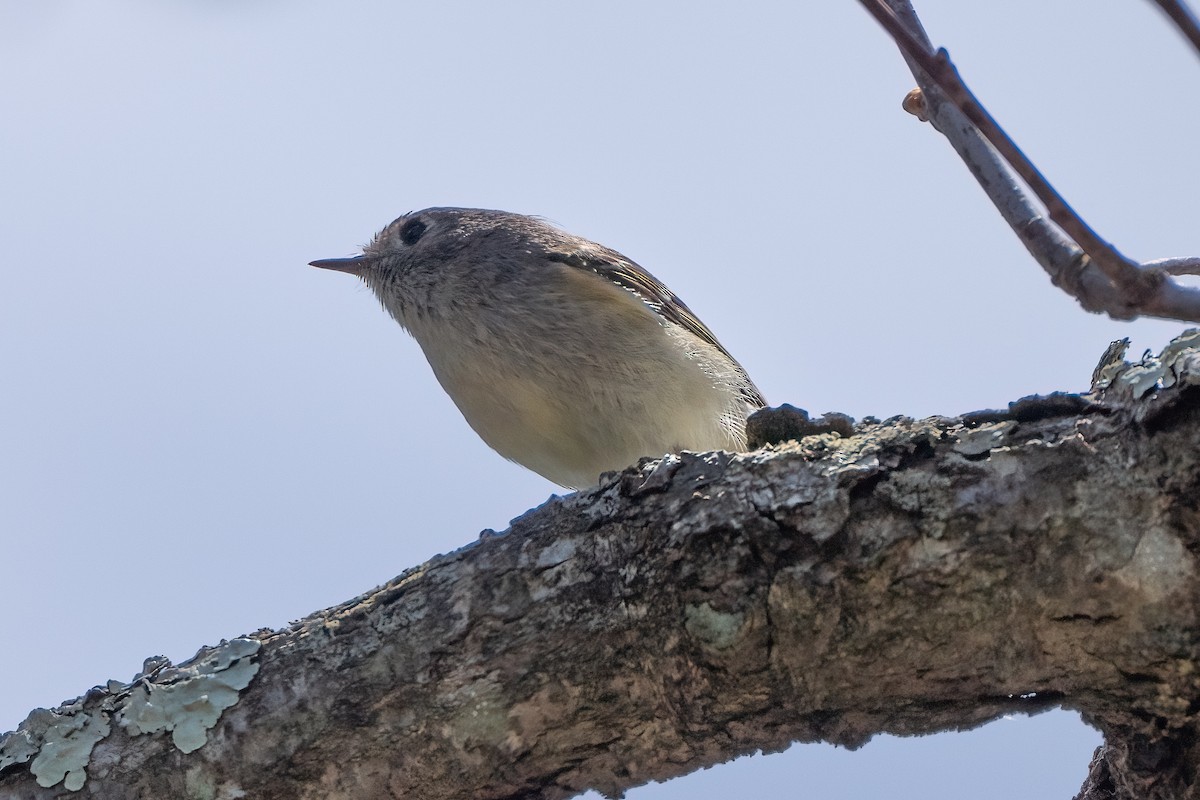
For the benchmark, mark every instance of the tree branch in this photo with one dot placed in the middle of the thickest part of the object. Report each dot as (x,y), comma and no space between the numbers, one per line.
(911,577)
(1177,266)
(1077,259)
(1183,18)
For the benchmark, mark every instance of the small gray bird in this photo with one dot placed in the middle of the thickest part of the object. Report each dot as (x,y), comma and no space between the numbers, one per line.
(562,354)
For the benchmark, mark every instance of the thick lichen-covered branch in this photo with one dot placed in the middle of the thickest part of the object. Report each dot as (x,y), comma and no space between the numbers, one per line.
(901,576)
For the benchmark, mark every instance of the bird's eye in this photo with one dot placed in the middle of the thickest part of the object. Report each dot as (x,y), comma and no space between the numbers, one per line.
(411,231)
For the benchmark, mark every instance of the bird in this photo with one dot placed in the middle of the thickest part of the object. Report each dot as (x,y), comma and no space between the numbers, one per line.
(562,354)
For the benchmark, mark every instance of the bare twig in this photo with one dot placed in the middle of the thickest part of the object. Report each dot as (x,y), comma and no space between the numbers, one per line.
(1188,265)
(1084,264)
(939,67)
(1184,19)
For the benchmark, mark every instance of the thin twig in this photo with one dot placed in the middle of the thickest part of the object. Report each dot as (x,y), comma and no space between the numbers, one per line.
(1058,255)
(1088,268)
(1117,267)
(1187,265)
(1184,19)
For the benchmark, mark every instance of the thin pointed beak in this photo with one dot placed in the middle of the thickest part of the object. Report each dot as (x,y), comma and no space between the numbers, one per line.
(354,264)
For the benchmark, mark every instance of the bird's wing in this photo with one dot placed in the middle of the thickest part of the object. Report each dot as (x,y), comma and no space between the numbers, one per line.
(614,267)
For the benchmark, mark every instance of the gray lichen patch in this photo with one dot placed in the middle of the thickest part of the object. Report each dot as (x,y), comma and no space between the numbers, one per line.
(977,441)
(558,567)
(481,716)
(62,743)
(19,746)
(1180,359)
(1176,363)
(1160,566)
(717,629)
(188,700)
(556,553)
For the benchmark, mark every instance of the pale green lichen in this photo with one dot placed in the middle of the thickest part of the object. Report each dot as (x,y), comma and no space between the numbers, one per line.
(1167,368)
(1141,378)
(17,747)
(66,746)
(718,629)
(185,700)
(188,700)
(1177,357)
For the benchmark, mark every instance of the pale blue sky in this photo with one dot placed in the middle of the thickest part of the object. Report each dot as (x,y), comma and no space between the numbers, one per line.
(202,435)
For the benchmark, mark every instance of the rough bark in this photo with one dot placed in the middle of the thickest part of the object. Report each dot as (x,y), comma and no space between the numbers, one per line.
(910,577)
